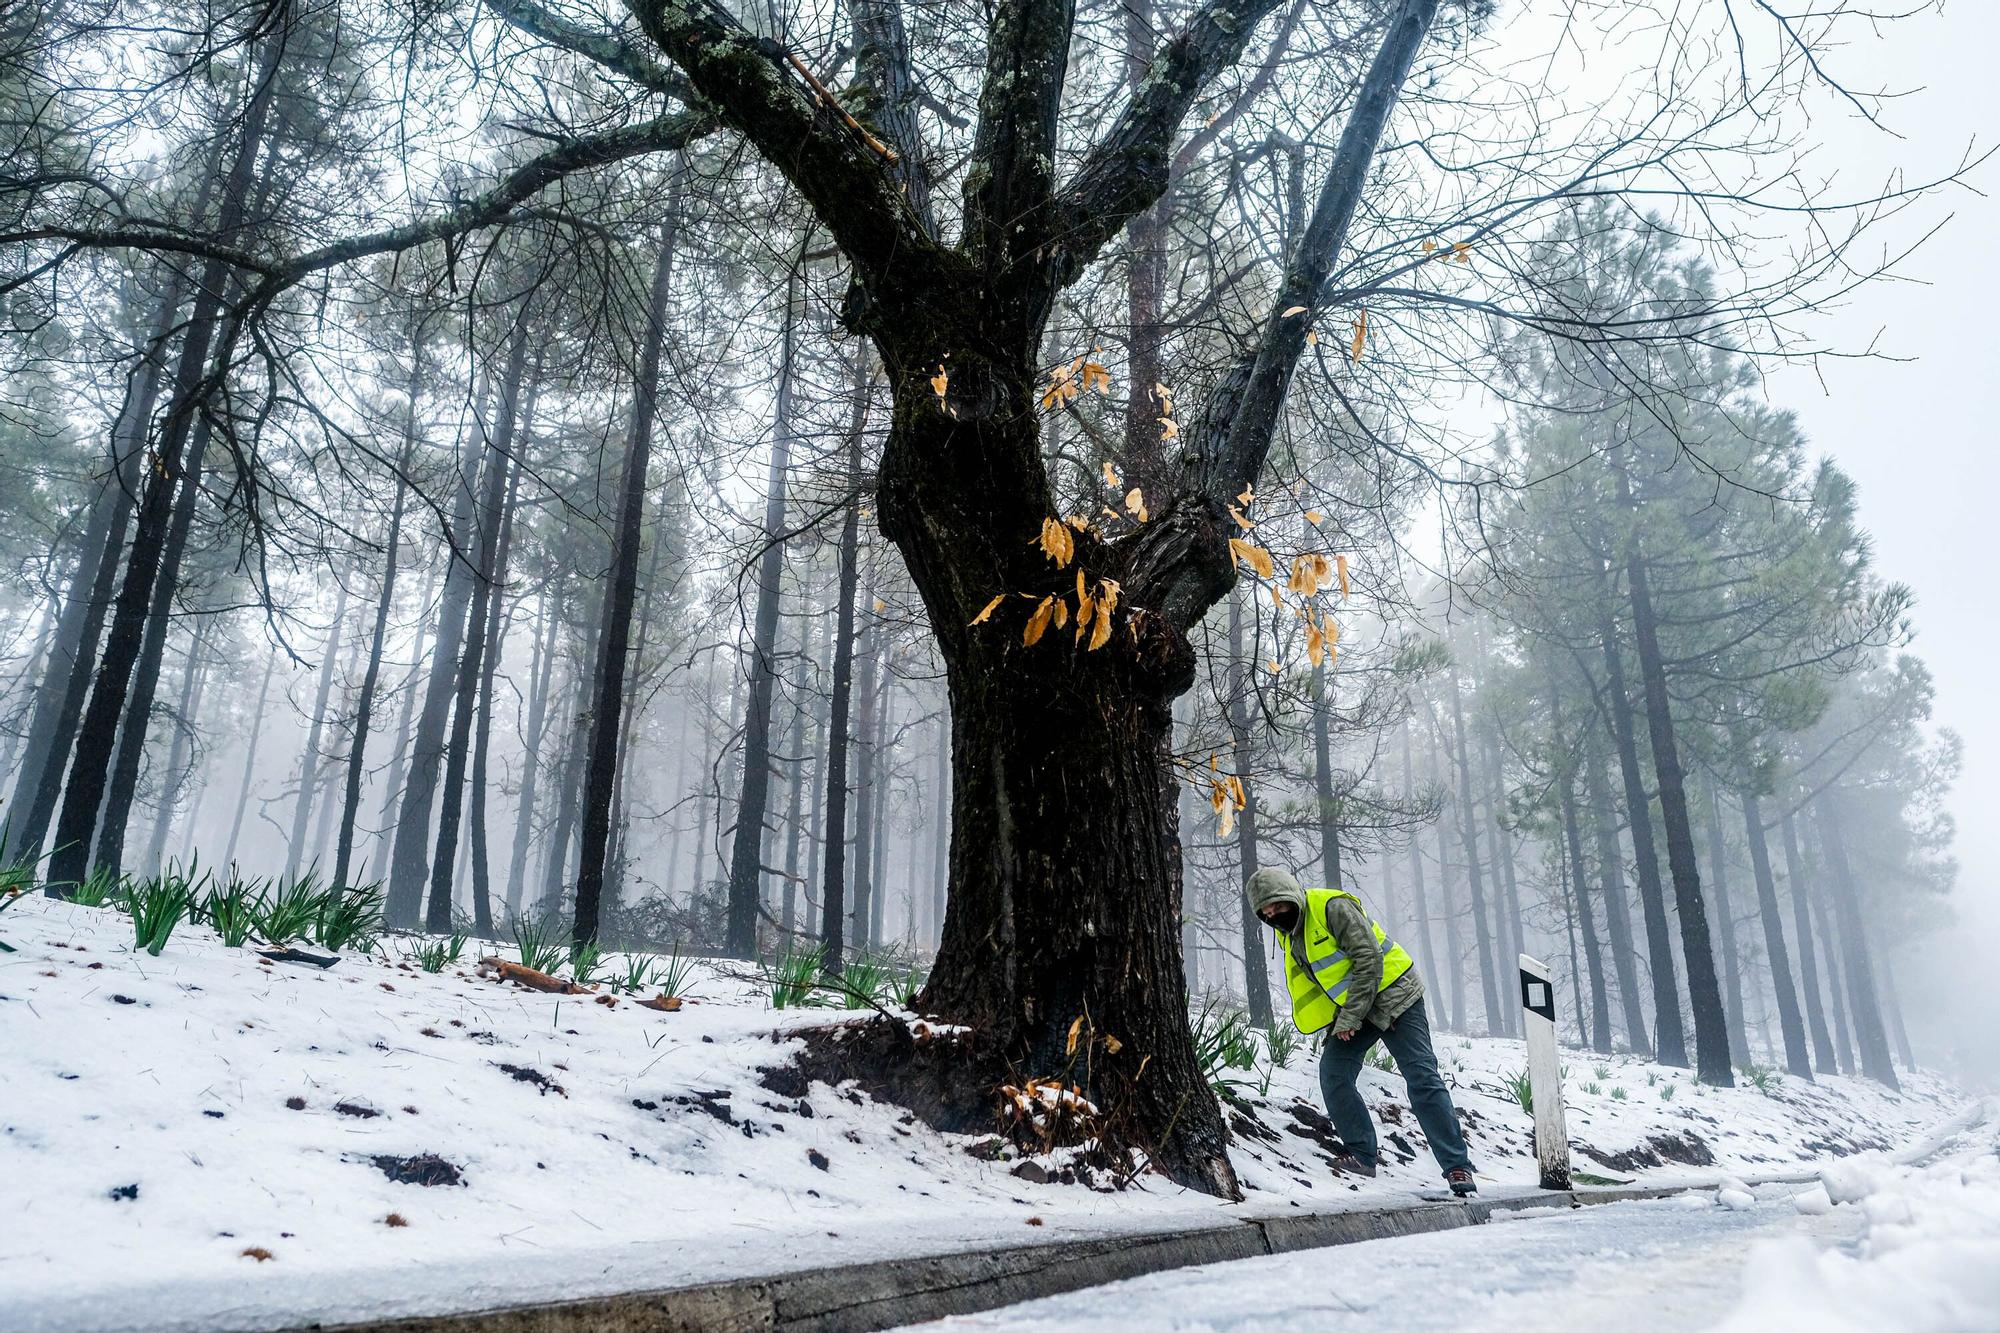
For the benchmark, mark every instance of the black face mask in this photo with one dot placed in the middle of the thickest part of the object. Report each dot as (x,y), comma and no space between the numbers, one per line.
(1288,918)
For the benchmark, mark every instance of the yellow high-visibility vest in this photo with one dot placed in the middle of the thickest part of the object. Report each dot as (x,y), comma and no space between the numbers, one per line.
(1318,981)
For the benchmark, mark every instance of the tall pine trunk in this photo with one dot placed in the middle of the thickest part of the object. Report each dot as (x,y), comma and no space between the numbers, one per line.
(621,588)
(1611,881)
(1256,981)
(1798,1059)
(315,732)
(364,708)
(1468,832)
(746,858)
(833,866)
(1871,1037)
(1795,877)
(1672,1049)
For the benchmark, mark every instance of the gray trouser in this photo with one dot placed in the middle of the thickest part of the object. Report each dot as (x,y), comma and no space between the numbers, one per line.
(1409,1041)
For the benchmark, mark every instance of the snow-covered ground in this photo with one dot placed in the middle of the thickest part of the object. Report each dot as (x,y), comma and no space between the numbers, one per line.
(205,1140)
(1878,1246)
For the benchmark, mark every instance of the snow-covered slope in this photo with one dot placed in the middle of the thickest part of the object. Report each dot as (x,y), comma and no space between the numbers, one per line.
(205,1140)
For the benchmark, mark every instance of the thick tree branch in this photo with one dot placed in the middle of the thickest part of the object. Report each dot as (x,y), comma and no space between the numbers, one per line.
(848,182)
(887,83)
(1011,187)
(1129,167)
(603,48)
(1233,436)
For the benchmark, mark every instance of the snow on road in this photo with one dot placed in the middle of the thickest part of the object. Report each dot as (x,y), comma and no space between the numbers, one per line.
(1911,1249)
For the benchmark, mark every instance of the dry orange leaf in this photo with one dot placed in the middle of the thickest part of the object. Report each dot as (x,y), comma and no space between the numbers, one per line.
(1360,337)
(1289,311)
(1038,623)
(1058,543)
(1313,516)
(940,381)
(986,611)
(1135,504)
(1252,555)
(1111,477)
(1340,569)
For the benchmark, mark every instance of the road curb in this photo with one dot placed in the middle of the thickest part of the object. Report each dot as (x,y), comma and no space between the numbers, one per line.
(861,1298)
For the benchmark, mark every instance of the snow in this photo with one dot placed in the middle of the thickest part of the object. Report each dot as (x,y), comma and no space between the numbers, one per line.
(1920,1253)
(149,1148)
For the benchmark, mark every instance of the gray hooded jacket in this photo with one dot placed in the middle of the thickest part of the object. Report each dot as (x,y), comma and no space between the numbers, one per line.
(1348,922)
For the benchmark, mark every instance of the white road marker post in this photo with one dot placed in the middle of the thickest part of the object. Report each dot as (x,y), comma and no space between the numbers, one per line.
(1538,1003)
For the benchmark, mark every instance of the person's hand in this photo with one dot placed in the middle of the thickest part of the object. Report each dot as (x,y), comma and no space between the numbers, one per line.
(1345,1036)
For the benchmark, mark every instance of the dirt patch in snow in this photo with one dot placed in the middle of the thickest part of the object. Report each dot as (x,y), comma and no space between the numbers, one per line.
(423,1169)
(1687,1148)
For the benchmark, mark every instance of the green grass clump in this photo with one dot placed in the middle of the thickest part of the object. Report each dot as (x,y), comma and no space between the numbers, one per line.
(793,978)
(1222,1042)
(1762,1077)
(1522,1088)
(100,889)
(15,882)
(1618,1094)
(158,905)
(287,911)
(350,917)
(585,957)
(230,912)
(1283,1042)
(540,944)
(674,975)
(435,953)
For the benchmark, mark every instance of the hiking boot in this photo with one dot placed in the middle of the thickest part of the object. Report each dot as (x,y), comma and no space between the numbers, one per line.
(1461,1182)
(1349,1165)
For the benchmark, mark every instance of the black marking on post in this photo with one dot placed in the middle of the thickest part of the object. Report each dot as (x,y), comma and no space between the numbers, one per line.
(1537,995)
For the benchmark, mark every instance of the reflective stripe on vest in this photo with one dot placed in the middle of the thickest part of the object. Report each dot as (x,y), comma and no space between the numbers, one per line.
(1318,983)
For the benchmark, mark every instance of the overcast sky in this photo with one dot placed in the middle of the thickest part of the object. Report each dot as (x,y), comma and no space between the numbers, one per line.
(1918,435)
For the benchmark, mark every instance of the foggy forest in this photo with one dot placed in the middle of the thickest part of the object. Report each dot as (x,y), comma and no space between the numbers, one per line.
(876,520)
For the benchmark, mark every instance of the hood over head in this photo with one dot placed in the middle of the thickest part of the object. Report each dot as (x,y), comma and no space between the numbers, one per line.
(1275,886)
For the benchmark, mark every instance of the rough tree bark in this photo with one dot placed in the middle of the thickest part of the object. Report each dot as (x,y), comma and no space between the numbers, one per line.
(309,757)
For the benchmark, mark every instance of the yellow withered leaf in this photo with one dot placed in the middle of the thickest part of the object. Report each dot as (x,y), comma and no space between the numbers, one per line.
(1248,496)
(1101,635)
(1340,569)
(1236,791)
(1277,597)
(1228,824)
(1112,1045)
(1096,377)
(1135,504)
(1168,430)
(1289,311)
(1062,613)
(1078,521)
(1038,623)
(1111,477)
(1218,797)
(1241,521)
(1430,246)
(1107,593)
(1461,253)
(1312,337)
(940,381)
(880,606)
(1058,543)
(1252,555)
(1273,666)
(1315,644)
(1313,516)
(1165,397)
(987,611)
(1360,337)
(1074,1028)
